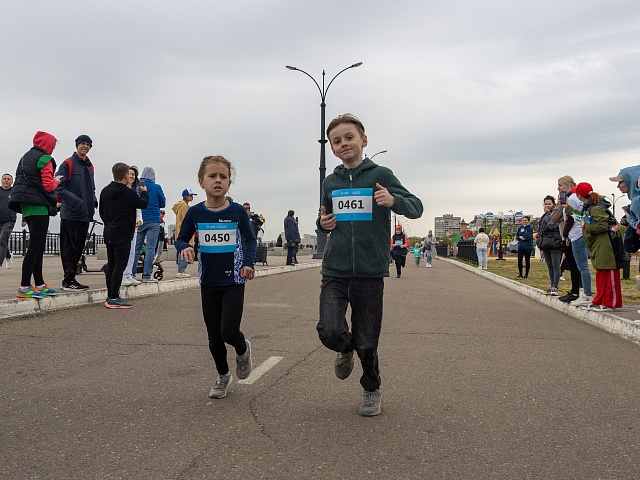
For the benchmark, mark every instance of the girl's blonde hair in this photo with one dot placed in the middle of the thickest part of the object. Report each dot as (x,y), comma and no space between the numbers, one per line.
(567,180)
(216,159)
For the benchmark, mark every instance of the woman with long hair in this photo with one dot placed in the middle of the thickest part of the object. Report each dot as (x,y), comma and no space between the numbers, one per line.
(549,241)
(596,223)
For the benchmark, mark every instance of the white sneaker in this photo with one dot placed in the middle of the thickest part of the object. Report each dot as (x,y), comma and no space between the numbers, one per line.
(9,262)
(183,275)
(133,280)
(583,301)
(126,282)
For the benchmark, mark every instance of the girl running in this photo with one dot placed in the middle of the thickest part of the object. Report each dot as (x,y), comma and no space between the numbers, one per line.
(227,249)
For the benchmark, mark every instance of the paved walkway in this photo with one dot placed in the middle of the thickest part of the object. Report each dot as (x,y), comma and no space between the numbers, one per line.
(479,381)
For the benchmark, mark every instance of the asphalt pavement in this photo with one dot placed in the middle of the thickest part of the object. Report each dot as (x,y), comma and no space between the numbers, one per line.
(479,381)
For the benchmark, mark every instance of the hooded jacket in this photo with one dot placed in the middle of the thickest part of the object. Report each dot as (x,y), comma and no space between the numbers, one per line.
(118,204)
(77,190)
(630,176)
(596,235)
(34,181)
(360,248)
(157,199)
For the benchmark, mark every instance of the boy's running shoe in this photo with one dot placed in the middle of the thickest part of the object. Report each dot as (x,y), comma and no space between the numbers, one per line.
(117,303)
(344,365)
(48,290)
(31,292)
(371,403)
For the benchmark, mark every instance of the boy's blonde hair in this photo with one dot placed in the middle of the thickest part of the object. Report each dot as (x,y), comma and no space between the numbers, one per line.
(346,118)
(216,159)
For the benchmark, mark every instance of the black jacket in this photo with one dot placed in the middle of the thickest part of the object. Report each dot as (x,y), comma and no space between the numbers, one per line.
(117,207)
(28,184)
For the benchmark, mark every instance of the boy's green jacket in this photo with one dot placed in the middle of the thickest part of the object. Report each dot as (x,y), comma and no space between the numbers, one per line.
(361,248)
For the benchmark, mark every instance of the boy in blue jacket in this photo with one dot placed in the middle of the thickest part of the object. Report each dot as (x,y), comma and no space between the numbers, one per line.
(357,199)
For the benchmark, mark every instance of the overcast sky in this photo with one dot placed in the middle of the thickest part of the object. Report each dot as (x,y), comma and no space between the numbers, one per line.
(480,105)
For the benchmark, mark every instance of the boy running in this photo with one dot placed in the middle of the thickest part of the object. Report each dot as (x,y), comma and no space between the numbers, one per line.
(356,202)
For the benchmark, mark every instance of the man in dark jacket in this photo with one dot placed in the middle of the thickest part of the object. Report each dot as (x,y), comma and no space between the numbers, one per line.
(292,235)
(7,219)
(118,204)
(77,192)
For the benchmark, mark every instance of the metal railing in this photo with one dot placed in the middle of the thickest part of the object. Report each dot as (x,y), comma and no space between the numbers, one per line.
(19,242)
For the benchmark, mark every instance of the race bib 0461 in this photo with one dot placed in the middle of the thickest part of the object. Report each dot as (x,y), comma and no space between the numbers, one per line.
(351,204)
(217,237)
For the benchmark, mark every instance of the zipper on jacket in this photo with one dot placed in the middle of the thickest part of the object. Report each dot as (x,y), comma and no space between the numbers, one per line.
(353,242)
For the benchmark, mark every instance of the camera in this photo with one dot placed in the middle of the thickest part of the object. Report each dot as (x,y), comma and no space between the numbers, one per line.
(563,197)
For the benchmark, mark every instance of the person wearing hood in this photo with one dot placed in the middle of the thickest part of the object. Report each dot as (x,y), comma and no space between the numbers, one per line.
(627,181)
(118,204)
(150,227)
(33,197)
(180,209)
(596,221)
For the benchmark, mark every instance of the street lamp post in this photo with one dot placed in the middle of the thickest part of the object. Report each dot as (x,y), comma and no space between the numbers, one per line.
(321,236)
(371,157)
(500,218)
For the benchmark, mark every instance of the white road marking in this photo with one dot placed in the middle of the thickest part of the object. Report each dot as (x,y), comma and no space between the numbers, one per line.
(260,370)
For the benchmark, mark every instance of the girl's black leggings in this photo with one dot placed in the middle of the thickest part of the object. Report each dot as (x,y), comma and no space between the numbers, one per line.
(32,262)
(527,258)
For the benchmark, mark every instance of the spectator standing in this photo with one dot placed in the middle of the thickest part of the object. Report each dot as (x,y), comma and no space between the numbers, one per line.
(118,204)
(596,221)
(292,236)
(549,241)
(127,276)
(77,192)
(482,248)
(353,275)
(429,244)
(33,197)
(161,238)
(180,209)
(256,222)
(7,220)
(524,235)
(150,227)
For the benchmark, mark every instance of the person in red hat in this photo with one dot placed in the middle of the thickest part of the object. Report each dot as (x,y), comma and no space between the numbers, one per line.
(597,222)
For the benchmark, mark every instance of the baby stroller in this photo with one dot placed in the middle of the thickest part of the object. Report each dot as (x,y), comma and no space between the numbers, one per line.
(158,270)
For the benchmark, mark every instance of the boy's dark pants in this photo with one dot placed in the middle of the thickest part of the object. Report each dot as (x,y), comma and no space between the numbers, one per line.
(365,297)
(117,258)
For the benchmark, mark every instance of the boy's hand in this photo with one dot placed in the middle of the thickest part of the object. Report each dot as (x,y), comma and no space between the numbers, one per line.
(247,272)
(327,222)
(188,254)
(383,198)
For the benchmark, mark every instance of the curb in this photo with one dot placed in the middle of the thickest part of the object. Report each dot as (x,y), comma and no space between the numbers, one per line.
(27,307)
(605,321)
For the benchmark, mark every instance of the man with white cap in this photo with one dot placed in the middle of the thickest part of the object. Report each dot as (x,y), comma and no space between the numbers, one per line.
(180,209)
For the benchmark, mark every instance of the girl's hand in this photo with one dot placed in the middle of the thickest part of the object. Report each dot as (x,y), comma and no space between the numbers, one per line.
(247,272)
(188,254)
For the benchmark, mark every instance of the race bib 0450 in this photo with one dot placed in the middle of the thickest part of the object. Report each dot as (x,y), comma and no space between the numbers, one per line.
(217,237)
(351,204)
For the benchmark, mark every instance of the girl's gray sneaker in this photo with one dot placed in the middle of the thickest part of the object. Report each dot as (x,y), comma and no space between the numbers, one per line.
(244,364)
(219,389)
(371,403)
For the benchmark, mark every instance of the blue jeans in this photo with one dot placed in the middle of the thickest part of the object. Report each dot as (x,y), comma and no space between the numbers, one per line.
(482,257)
(365,296)
(581,256)
(150,230)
